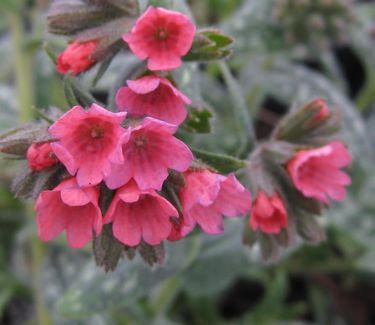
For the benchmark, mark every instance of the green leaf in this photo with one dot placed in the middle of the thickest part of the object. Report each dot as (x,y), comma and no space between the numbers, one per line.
(198,120)
(209,45)
(94,291)
(50,52)
(16,141)
(240,111)
(221,260)
(76,95)
(74,16)
(222,163)
(220,40)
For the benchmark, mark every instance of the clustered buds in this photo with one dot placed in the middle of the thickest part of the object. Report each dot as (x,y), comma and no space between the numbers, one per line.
(127,176)
(317,23)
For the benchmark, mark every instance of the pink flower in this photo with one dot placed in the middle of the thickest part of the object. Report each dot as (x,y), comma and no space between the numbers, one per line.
(76,58)
(316,172)
(268,214)
(149,150)
(71,208)
(153,96)
(207,196)
(139,214)
(40,156)
(88,142)
(162,36)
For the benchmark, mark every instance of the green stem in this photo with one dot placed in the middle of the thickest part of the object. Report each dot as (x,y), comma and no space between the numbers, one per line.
(22,68)
(367,96)
(24,83)
(240,110)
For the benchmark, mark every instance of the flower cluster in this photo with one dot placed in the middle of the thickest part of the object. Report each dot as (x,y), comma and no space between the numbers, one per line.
(305,174)
(131,153)
(127,176)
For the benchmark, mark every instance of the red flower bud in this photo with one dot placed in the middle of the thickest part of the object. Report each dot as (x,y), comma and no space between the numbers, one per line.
(324,110)
(77,57)
(268,214)
(41,156)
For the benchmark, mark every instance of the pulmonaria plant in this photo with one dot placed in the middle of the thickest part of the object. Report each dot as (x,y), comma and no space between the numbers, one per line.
(129,177)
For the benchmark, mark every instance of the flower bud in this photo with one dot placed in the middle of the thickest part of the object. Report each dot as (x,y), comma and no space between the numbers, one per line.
(41,156)
(268,214)
(76,58)
(313,125)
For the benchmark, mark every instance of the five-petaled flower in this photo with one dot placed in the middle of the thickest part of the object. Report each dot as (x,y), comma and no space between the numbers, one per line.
(316,172)
(268,213)
(149,150)
(40,156)
(71,208)
(140,214)
(153,96)
(77,57)
(207,197)
(88,142)
(162,36)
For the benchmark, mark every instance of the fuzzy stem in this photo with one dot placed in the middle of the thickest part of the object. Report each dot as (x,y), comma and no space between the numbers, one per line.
(240,111)
(24,83)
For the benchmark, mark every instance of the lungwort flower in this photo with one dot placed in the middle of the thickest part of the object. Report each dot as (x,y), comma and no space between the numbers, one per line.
(207,197)
(316,172)
(71,208)
(140,215)
(88,142)
(153,96)
(162,36)
(149,150)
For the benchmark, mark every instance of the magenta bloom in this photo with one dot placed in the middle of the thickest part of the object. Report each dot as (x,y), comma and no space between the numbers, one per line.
(88,141)
(153,96)
(162,36)
(316,172)
(76,58)
(207,196)
(268,214)
(149,150)
(139,214)
(40,156)
(71,208)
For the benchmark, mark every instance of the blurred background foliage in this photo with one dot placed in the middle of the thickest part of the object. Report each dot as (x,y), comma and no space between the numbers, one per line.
(287,52)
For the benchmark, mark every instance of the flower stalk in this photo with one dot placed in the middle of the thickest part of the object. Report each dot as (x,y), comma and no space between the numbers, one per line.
(23,77)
